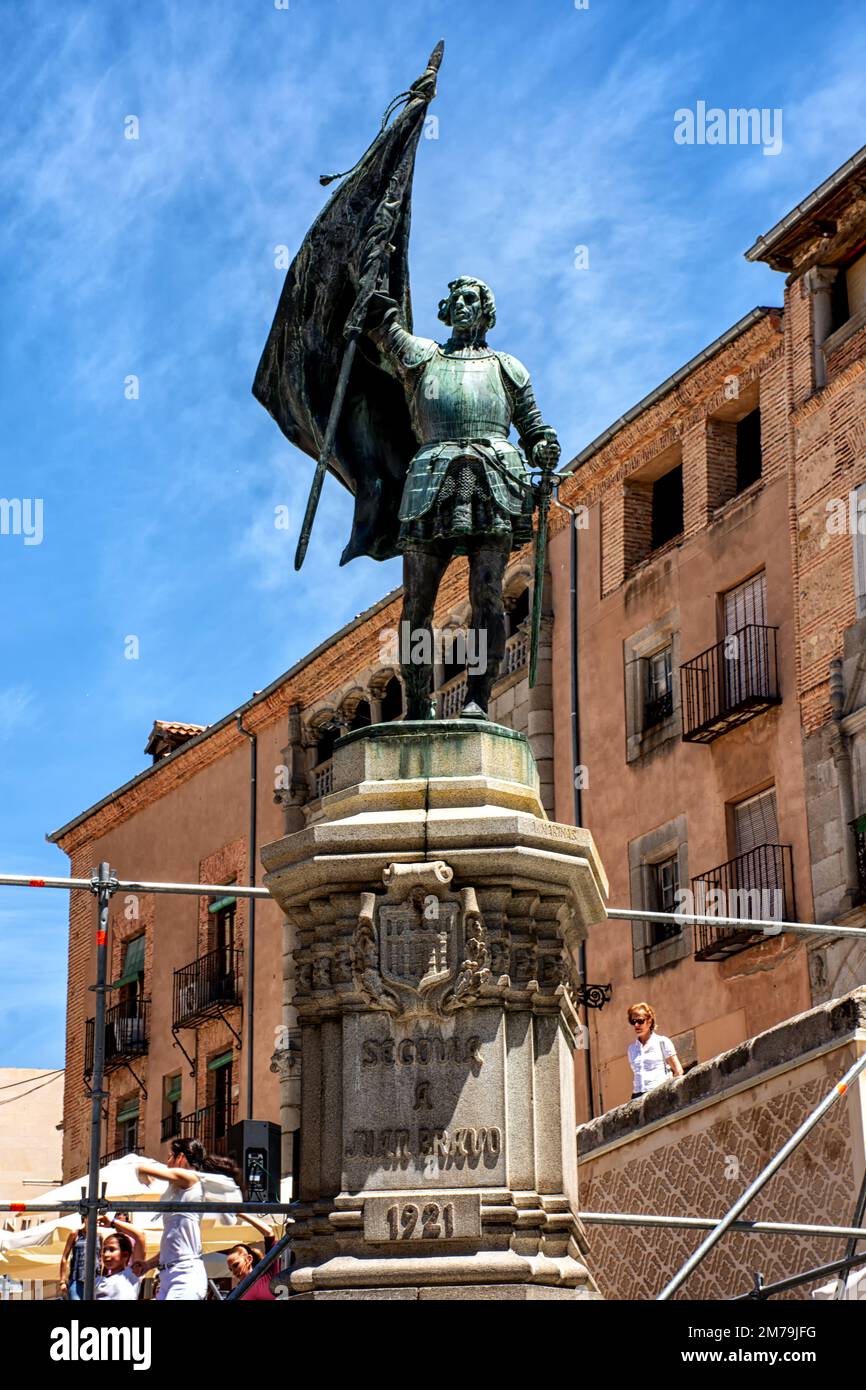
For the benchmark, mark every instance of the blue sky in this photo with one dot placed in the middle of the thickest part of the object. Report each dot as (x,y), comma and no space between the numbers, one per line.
(155,258)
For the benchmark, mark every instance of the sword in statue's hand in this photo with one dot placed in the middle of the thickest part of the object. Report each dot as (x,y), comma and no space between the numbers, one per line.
(545,455)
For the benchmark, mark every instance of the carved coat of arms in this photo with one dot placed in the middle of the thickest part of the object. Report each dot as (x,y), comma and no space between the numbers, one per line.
(409,947)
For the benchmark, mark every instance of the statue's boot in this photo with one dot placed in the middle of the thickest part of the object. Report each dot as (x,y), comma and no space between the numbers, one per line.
(478,696)
(418,681)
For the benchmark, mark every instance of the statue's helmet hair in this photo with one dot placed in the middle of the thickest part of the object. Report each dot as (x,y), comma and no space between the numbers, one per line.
(488,303)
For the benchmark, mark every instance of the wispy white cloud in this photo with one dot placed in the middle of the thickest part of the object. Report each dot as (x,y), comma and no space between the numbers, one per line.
(18,709)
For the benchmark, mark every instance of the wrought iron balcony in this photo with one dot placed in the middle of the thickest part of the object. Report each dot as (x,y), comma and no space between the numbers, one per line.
(170,1127)
(120,1153)
(126,1027)
(858,830)
(730,683)
(206,987)
(210,1124)
(758,885)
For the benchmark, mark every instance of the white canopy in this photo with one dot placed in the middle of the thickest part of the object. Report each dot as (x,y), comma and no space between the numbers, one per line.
(35,1253)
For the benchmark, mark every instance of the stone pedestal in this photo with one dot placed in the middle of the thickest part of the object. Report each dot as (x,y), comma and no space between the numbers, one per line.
(438,914)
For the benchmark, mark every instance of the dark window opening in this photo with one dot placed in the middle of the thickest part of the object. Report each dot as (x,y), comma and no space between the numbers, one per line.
(664,886)
(518,612)
(667,507)
(392,701)
(220,1086)
(748,450)
(171,1106)
(840,310)
(325,744)
(659,698)
(362,718)
(452,669)
(126,1130)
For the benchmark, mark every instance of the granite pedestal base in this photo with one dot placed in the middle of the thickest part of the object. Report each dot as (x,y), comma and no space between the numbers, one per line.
(437,915)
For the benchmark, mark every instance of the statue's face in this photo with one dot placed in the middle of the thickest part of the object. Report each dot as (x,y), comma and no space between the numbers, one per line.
(464,308)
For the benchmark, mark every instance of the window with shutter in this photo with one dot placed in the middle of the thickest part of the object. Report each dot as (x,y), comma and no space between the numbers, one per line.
(760,868)
(746,654)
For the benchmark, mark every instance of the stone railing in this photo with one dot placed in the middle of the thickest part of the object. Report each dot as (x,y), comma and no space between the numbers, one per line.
(516,653)
(452,697)
(323,779)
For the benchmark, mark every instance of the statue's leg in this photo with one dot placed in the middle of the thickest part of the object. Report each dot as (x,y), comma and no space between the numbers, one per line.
(422,573)
(486,571)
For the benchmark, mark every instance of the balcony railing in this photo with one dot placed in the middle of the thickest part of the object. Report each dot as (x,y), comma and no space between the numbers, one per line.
(170,1127)
(756,885)
(126,1028)
(516,653)
(120,1153)
(206,987)
(452,697)
(323,779)
(210,1124)
(729,683)
(858,830)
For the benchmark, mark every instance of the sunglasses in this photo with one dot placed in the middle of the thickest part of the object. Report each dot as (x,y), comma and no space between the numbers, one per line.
(639,1022)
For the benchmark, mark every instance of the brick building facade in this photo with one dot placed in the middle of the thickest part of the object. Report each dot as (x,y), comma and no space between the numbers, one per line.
(701,707)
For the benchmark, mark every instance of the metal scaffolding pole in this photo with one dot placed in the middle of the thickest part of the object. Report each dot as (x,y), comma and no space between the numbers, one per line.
(764,924)
(763,1178)
(258,1270)
(103,886)
(702,1223)
(793,1281)
(198,890)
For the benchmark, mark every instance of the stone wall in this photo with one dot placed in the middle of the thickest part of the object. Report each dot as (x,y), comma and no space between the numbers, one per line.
(691,1147)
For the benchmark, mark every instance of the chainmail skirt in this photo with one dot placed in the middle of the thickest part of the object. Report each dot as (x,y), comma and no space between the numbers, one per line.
(465,510)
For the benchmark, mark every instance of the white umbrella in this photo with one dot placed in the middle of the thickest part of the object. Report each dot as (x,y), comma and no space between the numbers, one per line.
(30,1253)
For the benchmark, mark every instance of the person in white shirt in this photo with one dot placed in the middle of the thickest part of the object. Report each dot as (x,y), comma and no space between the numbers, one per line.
(651,1054)
(122,1259)
(182,1274)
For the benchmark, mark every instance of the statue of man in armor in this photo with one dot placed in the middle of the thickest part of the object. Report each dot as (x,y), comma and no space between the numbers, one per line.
(468,490)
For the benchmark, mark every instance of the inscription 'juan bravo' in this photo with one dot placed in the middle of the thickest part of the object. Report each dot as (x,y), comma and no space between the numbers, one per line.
(399,1145)
(425,1049)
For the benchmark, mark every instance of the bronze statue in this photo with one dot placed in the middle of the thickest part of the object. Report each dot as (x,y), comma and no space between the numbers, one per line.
(467,489)
(417,431)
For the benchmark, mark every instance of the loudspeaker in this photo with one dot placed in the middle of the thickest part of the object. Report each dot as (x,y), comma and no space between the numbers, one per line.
(255,1147)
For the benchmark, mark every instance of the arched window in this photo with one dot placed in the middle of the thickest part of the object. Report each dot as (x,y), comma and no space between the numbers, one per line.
(392,700)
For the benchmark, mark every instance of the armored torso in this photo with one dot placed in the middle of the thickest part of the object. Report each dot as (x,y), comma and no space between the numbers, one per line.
(460,395)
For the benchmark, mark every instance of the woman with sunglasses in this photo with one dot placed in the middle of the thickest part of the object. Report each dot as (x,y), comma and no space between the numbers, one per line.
(651,1054)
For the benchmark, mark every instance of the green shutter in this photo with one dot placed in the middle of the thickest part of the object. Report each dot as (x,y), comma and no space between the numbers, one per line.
(221,904)
(860,825)
(128,1111)
(133,963)
(173,1089)
(224,1060)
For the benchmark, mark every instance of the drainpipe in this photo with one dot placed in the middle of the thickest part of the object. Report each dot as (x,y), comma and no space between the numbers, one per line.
(575,748)
(251,934)
(842,759)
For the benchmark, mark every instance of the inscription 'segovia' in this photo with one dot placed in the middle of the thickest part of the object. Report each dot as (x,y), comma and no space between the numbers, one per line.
(425,1049)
